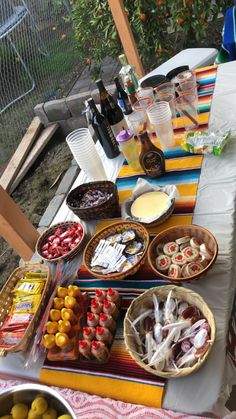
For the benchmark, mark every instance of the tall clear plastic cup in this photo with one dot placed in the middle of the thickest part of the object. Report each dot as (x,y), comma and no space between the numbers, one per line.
(85,153)
(187,106)
(160,117)
(145,92)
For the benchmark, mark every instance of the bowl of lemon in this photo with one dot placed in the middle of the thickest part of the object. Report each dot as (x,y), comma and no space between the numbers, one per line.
(33,401)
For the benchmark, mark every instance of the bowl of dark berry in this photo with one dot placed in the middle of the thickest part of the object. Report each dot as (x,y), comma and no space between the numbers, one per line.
(94,200)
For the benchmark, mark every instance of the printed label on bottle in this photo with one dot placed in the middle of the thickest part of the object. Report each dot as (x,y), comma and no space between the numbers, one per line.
(153,164)
(125,106)
(116,128)
(109,142)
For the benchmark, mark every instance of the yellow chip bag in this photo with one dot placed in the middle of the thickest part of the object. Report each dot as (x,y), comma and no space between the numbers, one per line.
(26,304)
(36,275)
(28,287)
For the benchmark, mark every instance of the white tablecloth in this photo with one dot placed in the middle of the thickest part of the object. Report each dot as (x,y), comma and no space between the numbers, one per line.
(206,391)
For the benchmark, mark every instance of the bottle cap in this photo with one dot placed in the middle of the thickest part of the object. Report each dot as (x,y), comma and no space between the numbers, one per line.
(103,317)
(83,343)
(94,303)
(100,330)
(90,316)
(98,293)
(124,135)
(87,330)
(110,292)
(95,344)
(107,304)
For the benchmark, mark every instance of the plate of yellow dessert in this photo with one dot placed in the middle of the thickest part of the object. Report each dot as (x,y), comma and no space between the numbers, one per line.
(149,205)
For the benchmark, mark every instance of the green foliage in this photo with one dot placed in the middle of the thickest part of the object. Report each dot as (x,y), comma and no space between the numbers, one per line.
(157,25)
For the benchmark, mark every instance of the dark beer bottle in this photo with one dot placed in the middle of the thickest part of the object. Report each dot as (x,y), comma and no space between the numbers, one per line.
(111,110)
(103,131)
(122,98)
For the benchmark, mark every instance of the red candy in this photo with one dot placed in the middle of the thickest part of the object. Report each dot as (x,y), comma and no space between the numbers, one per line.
(62,241)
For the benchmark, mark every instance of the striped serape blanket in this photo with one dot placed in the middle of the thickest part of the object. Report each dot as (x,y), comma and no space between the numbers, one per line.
(121,378)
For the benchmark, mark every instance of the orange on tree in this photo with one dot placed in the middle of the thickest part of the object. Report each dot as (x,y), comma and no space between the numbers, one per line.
(143,17)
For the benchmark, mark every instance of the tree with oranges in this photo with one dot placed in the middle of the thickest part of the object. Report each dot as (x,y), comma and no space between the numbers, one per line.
(160,27)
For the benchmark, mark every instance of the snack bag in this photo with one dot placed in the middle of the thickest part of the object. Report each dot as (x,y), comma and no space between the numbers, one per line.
(203,142)
(26,304)
(8,339)
(15,322)
(28,287)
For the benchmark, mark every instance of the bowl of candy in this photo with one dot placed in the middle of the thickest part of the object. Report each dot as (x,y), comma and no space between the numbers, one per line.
(34,400)
(62,241)
(183,253)
(117,251)
(169,331)
(94,200)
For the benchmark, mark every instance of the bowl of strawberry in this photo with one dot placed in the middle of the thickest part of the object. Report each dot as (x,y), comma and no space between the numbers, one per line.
(63,241)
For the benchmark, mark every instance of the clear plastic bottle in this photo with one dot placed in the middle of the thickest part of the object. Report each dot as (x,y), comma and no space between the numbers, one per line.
(110,308)
(85,348)
(99,350)
(103,334)
(106,320)
(113,296)
(89,333)
(92,319)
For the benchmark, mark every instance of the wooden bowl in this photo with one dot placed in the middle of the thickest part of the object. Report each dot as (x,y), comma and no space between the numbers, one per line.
(113,229)
(51,230)
(173,233)
(145,301)
(107,209)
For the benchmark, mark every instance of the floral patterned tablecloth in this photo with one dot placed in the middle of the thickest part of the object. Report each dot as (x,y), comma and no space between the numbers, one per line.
(93,407)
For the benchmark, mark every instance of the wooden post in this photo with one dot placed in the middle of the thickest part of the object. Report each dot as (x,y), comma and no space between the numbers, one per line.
(126,35)
(15,227)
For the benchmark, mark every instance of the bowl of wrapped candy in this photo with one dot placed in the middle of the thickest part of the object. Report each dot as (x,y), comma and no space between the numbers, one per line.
(169,331)
(62,241)
(117,251)
(94,200)
(183,253)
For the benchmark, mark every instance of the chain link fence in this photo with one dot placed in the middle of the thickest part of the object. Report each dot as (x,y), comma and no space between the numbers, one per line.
(38,62)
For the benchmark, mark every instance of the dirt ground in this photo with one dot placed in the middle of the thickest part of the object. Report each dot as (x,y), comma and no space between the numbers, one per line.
(34,194)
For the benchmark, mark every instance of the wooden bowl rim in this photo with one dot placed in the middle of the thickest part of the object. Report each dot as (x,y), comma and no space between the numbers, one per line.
(116,275)
(158,219)
(189,278)
(50,230)
(112,184)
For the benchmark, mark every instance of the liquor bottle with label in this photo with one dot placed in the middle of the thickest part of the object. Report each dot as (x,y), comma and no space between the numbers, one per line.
(111,110)
(130,89)
(103,131)
(122,98)
(128,70)
(151,158)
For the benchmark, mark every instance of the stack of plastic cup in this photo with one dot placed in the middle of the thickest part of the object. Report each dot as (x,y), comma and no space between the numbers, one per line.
(84,151)
(166,93)
(138,121)
(187,75)
(189,87)
(145,92)
(159,115)
(187,106)
(142,105)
